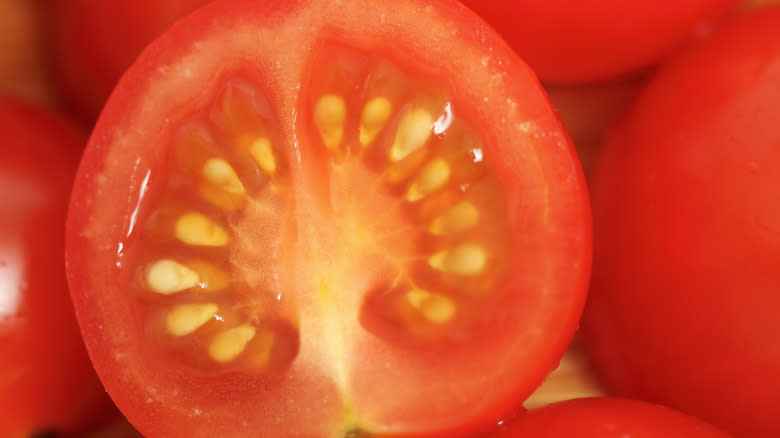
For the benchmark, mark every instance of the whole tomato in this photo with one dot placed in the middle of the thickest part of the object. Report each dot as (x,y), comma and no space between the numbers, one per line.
(47,383)
(684,300)
(576,41)
(605,417)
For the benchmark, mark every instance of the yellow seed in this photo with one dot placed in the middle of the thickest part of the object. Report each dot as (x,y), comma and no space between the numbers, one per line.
(197,229)
(168,277)
(261,151)
(436,308)
(433,176)
(460,217)
(228,345)
(330,111)
(218,172)
(375,115)
(468,259)
(186,318)
(413,132)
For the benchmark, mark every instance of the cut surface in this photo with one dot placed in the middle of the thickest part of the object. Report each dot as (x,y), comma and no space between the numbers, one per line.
(333,244)
(406,226)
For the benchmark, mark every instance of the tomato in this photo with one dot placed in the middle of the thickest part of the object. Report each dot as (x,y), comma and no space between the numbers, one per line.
(95,41)
(46,381)
(588,110)
(684,303)
(605,417)
(568,41)
(327,218)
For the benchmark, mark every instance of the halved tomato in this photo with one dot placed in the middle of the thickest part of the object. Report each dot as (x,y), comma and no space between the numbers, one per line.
(327,218)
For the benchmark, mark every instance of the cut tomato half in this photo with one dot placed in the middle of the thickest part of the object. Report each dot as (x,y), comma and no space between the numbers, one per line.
(327,219)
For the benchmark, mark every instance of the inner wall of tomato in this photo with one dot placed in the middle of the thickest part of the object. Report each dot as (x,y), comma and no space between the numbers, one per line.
(299,224)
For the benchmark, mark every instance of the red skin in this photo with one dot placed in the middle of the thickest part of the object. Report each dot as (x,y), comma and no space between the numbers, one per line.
(683,305)
(568,41)
(46,379)
(546,198)
(605,417)
(95,41)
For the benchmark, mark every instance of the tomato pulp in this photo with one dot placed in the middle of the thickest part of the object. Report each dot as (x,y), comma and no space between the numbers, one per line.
(684,303)
(47,384)
(324,218)
(605,417)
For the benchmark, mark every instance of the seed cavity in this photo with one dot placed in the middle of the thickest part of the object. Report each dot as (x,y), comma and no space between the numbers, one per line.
(229,344)
(263,154)
(198,230)
(375,115)
(467,259)
(436,308)
(168,277)
(330,112)
(461,217)
(413,132)
(218,172)
(184,319)
(433,176)
(259,354)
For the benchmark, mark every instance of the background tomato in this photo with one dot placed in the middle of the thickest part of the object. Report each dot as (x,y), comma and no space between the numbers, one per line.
(684,299)
(605,418)
(46,381)
(94,41)
(299,210)
(567,41)
(587,111)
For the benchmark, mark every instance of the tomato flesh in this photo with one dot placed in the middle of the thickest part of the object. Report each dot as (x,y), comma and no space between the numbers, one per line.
(325,250)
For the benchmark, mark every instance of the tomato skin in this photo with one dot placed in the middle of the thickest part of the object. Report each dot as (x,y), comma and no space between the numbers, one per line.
(683,302)
(162,401)
(95,41)
(605,417)
(47,380)
(584,41)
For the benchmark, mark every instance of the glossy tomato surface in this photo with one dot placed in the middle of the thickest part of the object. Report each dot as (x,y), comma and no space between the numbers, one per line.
(95,41)
(46,381)
(684,299)
(327,218)
(605,417)
(568,41)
